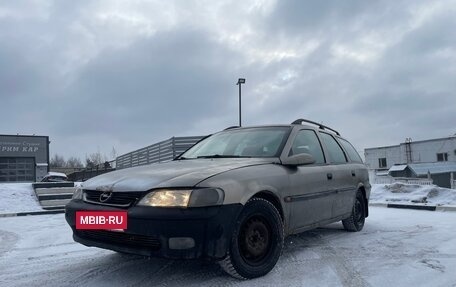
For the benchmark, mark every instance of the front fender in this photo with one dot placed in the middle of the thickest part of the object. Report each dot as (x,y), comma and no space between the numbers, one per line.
(242,183)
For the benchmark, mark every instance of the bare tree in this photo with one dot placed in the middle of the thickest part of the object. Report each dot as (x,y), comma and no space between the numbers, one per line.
(89,163)
(95,159)
(74,162)
(113,153)
(57,161)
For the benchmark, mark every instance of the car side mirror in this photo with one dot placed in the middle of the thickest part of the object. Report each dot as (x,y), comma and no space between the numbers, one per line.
(299,159)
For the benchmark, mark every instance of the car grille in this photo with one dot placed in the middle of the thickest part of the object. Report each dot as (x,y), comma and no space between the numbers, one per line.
(120,238)
(118,199)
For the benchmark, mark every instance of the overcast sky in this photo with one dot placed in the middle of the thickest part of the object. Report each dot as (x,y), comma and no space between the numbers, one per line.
(125,74)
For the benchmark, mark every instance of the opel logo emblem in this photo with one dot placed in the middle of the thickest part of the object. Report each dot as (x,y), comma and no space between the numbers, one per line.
(105,196)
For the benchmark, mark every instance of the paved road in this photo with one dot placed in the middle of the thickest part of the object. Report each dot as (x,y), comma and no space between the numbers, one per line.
(396,248)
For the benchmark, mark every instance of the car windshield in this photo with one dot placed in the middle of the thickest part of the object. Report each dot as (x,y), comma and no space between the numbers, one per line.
(248,142)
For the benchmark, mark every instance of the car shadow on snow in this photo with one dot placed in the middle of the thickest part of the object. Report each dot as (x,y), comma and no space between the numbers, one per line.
(135,270)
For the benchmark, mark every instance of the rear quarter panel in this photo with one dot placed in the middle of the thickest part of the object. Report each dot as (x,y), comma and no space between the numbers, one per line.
(363,179)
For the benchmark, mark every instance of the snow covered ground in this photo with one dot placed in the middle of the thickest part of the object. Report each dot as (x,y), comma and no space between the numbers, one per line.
(396,248)
(17,197)
(412,193)
(20,197)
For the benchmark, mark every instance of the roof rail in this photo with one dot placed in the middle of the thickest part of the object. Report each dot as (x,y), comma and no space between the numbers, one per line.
(232,127)
(321,126)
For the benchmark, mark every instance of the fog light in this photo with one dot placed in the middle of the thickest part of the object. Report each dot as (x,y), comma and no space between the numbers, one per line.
(181,243)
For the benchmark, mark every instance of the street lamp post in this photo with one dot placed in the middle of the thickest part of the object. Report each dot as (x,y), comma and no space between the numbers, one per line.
(240,81)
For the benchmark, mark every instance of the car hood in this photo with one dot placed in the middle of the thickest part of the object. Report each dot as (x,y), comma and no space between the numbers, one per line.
(179,173)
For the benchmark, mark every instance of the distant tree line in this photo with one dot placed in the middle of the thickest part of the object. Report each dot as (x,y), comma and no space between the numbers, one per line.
(59,161)
(92,160)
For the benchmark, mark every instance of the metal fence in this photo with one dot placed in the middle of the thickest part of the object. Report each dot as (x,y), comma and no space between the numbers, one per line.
(159,152)
(54,195)
(87,173)
(390,180)
(84,174)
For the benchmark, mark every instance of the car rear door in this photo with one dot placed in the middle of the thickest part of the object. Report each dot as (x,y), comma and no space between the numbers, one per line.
(343,176)
(356,168)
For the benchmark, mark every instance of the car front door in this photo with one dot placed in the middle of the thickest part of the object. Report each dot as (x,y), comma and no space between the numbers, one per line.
(311,189)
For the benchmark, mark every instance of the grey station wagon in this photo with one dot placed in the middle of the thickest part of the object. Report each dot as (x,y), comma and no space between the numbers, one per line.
(233,197)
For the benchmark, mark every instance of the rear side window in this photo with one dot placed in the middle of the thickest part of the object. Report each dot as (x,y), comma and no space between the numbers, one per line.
(336,153)
(306,141)
(352,153)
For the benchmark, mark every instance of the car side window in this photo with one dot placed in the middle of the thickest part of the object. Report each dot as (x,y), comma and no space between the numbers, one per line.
(352,153)
(336,153)
(306,141)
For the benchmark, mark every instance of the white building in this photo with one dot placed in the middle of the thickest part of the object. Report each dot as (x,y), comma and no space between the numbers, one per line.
(410,156)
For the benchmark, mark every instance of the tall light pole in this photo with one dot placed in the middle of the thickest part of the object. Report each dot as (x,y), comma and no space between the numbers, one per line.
(240,81)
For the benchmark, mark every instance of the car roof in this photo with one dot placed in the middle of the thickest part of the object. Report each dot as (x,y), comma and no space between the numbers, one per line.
(316,127)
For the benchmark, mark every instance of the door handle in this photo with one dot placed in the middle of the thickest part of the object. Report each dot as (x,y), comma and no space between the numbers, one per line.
(353,173)
(329,176)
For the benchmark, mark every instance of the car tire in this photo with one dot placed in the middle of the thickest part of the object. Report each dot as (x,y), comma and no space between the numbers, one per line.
(257,241)
(357,218)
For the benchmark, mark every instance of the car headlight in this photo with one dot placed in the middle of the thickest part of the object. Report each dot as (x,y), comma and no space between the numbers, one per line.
(183,197)
(77,193)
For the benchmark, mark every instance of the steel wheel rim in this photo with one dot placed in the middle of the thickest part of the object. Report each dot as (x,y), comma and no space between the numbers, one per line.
(255,240)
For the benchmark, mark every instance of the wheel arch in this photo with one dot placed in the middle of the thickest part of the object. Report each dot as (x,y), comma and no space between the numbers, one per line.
(272,198)
(366,204)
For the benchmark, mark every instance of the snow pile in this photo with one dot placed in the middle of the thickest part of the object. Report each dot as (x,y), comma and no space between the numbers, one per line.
(412,194)
(18,197)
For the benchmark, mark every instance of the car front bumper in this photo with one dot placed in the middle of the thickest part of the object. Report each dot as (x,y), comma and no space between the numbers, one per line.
(202,232)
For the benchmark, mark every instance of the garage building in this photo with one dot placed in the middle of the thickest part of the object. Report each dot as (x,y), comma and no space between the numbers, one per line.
(23,158)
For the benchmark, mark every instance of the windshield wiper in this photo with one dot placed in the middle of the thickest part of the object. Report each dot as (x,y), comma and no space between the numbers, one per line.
(184,158)
(222,156)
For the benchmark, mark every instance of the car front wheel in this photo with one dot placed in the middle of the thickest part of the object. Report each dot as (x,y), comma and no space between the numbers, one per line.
(257,241)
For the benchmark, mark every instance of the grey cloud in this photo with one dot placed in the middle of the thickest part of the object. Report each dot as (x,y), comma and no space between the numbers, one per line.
(407,91)
(151,90)
(413,80)
(98,85)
